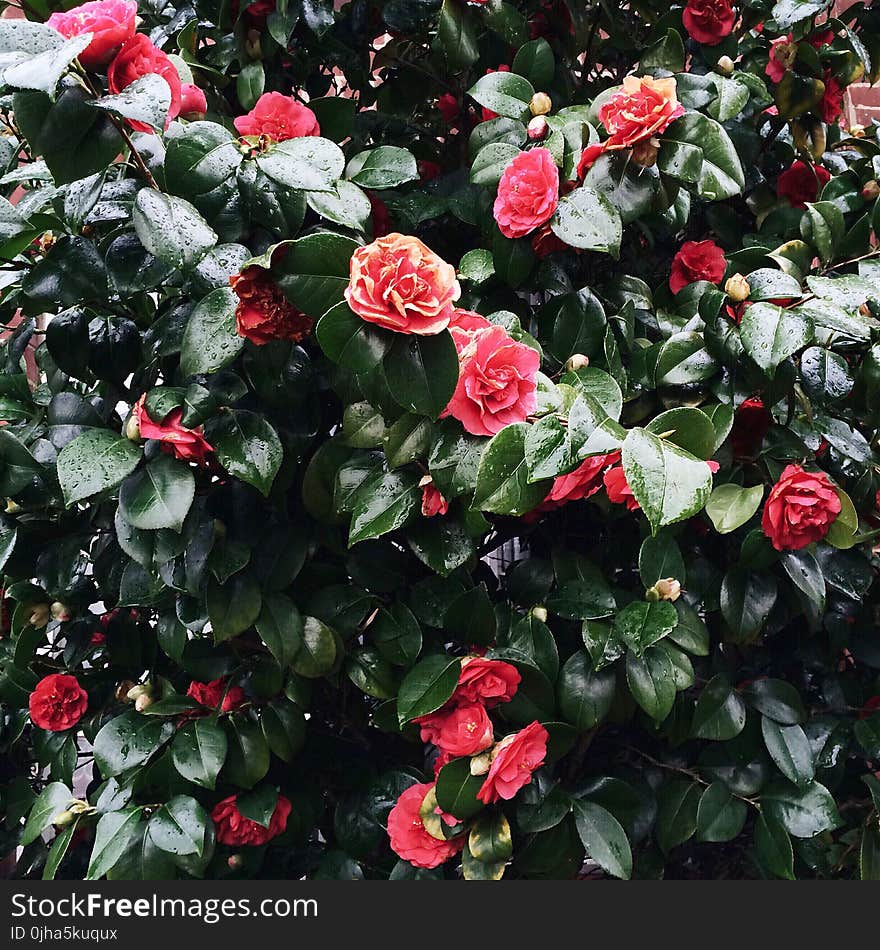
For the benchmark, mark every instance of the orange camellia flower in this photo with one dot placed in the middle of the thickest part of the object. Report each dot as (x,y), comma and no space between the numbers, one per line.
(399,283)
(643,108)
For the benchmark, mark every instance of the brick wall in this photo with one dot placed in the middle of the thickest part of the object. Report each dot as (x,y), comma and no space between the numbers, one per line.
(863,101)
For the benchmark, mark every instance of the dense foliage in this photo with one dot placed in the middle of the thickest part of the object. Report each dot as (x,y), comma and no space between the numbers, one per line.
(439,439)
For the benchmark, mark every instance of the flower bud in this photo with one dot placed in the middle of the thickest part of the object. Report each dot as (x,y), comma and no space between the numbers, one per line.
(480,763)
(133,428)
(12,507)
(668,588)
(138,690)
(252,45)
(725,66)
(645,153)
(40,616)
(122,690)
(540,613)
(652,595)
(235,862)
(540,104)
(576,362)
(63,819)
(144,701)
(737,288)
(871,190)
(538,128)
(857,131)
(60,611)
(785,54)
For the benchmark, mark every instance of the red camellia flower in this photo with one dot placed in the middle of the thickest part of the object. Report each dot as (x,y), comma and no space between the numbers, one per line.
(750,425)
(193,104)
(528,193)
(409,838)
(463,729)
(800,509)
(583,482)
(618,490)
(489,682)
(189,445)
(644,108)
(496,382)
(138,57)
(57,703)
(832,99)
(433,503)
(696,260)
(448,107)
(210,694)
(488,114)
(279,118)
(513,761)
(234,829)
(588,159)
(111,23)
(545,242)
(872,705)
(801,183)
(400,284)
(263,313)
(708,21)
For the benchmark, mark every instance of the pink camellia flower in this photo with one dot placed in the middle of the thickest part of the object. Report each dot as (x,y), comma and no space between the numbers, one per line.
(458,730)
(136,58)
(234,829)
(193,104)
(618,490)
(708,21)
(433,503)
(513,761)
(496,381)
(210,695)
(489,682)
(583,482)
(528,193)
(410,839)
(278,117)
(800,509)
(643,109)
(111,23)
(696,260)
(189,445)
(399,283)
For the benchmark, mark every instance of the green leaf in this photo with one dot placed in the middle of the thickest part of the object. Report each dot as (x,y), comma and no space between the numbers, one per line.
(669,483)
(604,838)
(651,681)
(384,167)
(371,673)
(586,219)
(147,100)
(660,557)
(790,750)
(247,759)
(457,789)
(776,699)
(422,372)
(721,174)
(731,506)
(96,461)
(58,851)
(771,334)
(773,847)
(788,12)
(535,61)
(427,686)
(199,751)
(313,272)
(396,634)
(346,205)
(284,728)
(352,342)
(317,650)
(720,816)
(720,713)
(684,359)
(233,607)
(747,597)
(42,71)
(210,340)
(158,495)
(584,696)
(280,627)
(171,229)
(503,485)
(383,505)
(180,826)
(115,833)
(128,741)
(804,811)
(679,801)
(308,163)
(54,798)
(248,448)
(505,93)
(457,33)
(823,225)
(641,624)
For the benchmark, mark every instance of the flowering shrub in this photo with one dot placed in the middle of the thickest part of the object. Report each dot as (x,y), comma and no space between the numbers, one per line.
(439,439)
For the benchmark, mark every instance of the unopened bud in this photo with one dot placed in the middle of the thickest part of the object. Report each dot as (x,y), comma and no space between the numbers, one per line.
(122,690)
(737,288)
(60,611)
(785,54)
(540,104)
(725,66)
(538,128)
(480,763)
(857,131)
(143,702)
(63,819)
(668,588)
(138,690)
(652,595)
(12,507)
(133,428)
(576,362)
(40,616)
(80,807)
(871,190)
(540,613)
(235,862)
(645,153)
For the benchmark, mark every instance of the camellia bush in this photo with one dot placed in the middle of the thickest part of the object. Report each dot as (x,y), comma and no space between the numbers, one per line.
(439,440)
